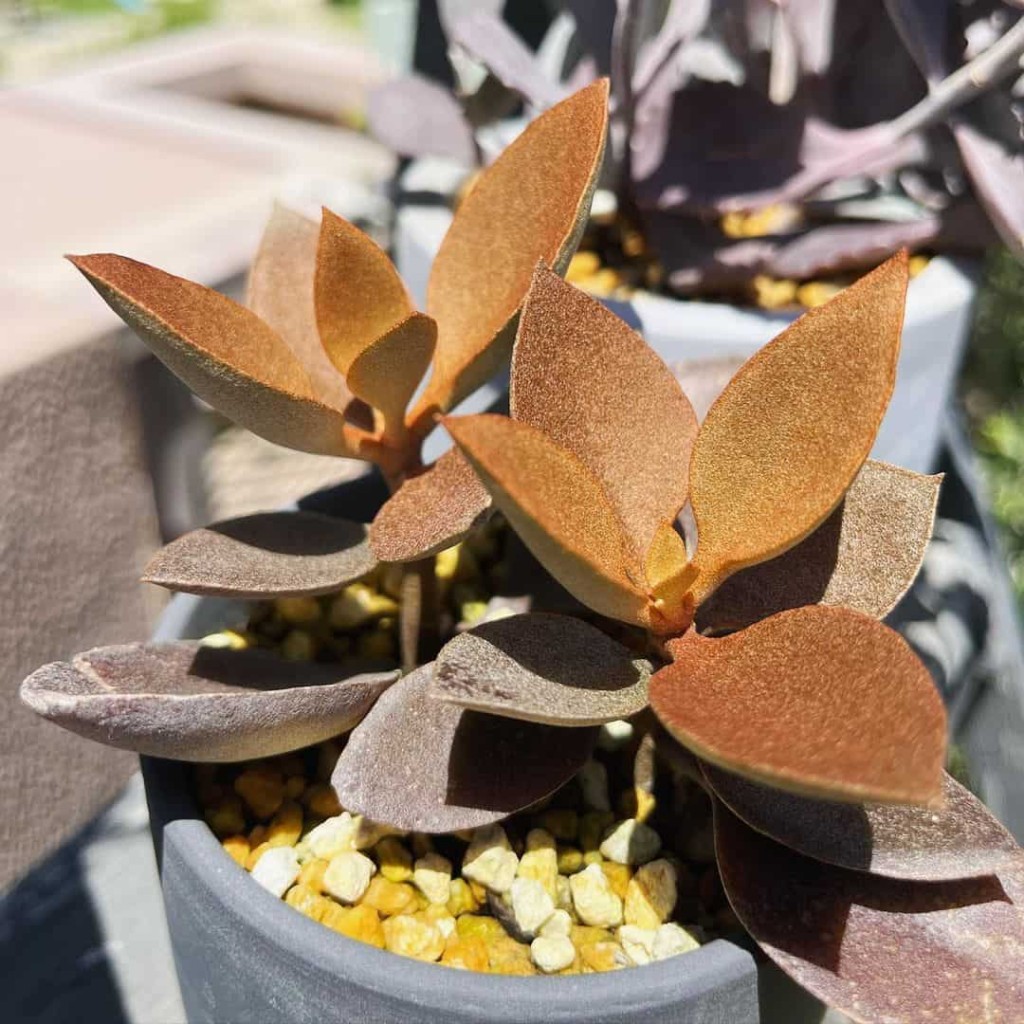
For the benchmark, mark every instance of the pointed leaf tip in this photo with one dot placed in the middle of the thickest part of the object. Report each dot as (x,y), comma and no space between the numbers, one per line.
(542,668)
(823,702)
(422,764)
(531,204)
(268,554)
(193,703)
(222,351)
(787,436)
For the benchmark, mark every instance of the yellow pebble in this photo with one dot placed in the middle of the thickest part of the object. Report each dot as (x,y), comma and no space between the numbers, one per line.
(817,293)
(322,800)
(262,789)
(917,263)
(774,293)
(603,283)
(307,901)
(601,956)
(651,895)
(413,937)
(460,898)
(592,857)
(479,891)
(390,898)
(584,935)
(376,644)
(540,861)
(311,874)
(299,611)
(356,605)
(618,875)
(359,922)
(582,265)
(394,859)
(294,787)
(570,860)
(506,956)
(225,816)
(255,854)
(466,954)
(231,639)
(592,828)
(237,847)
(479,926)
(298,645)
(286,826)
(562,824)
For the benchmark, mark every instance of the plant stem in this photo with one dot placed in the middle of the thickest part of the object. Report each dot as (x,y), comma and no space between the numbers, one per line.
(419,615)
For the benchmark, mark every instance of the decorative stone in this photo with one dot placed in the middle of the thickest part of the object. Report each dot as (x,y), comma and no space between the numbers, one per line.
(262,789)
(593,780)
(411,936)
(671,940)
(390,898)
(466,954)
(286,825)
(460,898)
(619,876)
(559,923)
(237,848)
(432,875)
(394,860)
(614,735)
(531,905)
(307,901)
(540,860)
(506,956)
(348,876)
(651,894)
(631,842)
(602,956)
(637,943)
(312,873)
(569,860)
(593,898)
(361,923)
(333,836)
(276,870)
(552,954)
(490,859)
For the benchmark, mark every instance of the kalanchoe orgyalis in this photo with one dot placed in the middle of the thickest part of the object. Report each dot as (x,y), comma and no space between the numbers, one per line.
(326,359)
(817,732)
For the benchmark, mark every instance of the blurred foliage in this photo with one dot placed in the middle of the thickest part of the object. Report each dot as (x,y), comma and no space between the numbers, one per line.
(994,399)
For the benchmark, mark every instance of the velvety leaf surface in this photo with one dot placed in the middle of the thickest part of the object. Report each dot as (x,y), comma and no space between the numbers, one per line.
(430,512)
(359,295)
(542,668)
(222,351)
(280,293)
(864,556)
(559,508)
(597,389)
(438,128)
(531,204)
(423,764)
(193,703)
(962,840)
(819,701)
(785,439)
(880,949)
(387,372)
(267,554)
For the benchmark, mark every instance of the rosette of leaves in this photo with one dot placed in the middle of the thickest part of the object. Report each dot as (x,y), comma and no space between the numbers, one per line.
(723,106)
(815,729)
(326,359)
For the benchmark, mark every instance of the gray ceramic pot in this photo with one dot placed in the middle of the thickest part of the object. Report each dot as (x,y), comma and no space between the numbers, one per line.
(242,955)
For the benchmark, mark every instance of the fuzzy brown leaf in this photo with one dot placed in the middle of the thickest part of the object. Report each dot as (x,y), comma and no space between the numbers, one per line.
(962,840)
(864,556)
(430,512)
(194,703)
(359,295)
(597,389)
(824,702)
(560,510)
(531,204)
(787,436)
(542,668)
(280,293)
(422,764)
(222,351)
(880,949)
(267,554)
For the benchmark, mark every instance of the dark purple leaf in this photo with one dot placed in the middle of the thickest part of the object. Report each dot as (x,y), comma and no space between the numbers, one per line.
(998,178)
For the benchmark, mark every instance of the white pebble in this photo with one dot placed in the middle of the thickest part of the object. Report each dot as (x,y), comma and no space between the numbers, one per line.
(531,905)
(559,923)
(593,779)
(631,842)
(637,943)
(554,954)
(445,925)
(651,894)
(490,859)
(671,940)
(592,896)
(614,735)
(277,869)
(432,875)
(348,876)
(333,836)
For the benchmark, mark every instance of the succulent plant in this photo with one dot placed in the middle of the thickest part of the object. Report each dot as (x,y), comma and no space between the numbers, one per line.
(723,108)
(747,560)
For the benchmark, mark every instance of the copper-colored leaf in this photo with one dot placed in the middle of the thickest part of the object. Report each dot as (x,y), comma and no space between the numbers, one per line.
(387,372)
(961,840)
(270,553)
(430,512)
(194,703)
(419,763)
(820,701)
(559,508)
(280,293)
(531,204)
(542,668)
(880,949)
(596,388)
(359,295)
(785,439)
(864,556)
(222,351)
